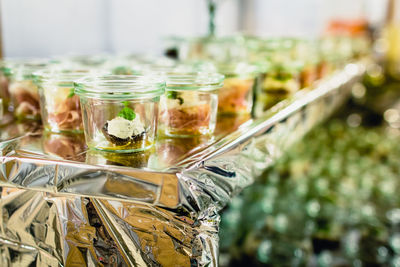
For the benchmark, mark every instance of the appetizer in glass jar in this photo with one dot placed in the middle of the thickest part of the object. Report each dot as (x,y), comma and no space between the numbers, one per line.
(281,81)
(189,107)
(24,90)
(5,73)
(236,96)
(61,111)
(120,111)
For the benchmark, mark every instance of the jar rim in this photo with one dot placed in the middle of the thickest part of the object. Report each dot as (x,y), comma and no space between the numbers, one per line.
(120,87)
(204,81)
(240,69)
(66,75)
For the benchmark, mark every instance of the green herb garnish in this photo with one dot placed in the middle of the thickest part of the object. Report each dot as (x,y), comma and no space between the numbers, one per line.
(71,93)
(122,70)
(6,71)
(283,76)
(175,95)
(127,113)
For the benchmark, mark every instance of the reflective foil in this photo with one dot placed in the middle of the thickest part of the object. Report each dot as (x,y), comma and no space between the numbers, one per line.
(63,205)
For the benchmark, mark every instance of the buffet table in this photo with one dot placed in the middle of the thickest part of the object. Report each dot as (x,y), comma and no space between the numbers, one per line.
(64,205)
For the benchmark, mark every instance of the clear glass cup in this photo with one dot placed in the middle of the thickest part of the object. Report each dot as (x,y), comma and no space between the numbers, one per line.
(5,73)
(189,106)
(236,96)
(281,81)
(120,112)
(24,90)
(61,111)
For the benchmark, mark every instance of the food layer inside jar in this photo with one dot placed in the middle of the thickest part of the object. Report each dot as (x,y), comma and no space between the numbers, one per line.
(280,83)
(63,109)
(277,87)
(236,95)
(25,99)
(187,112)
(4,91)
(125,131)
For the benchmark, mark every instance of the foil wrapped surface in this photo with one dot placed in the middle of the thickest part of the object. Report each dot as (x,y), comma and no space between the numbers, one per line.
(63,205)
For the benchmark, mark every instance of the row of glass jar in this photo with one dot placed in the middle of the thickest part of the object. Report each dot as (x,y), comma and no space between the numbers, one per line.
(275,76)
(120,113)
(286,64)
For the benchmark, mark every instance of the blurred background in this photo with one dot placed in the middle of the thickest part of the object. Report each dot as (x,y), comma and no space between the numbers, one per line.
(49,28)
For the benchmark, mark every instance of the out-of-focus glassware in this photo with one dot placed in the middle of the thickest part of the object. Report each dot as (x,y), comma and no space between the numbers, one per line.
(24,90)
(5,74)
(391,39)
(189,107)
(219,49)
(236,96)
(60,110)
(283,76)
(306,52)
(120,112)
(85,61)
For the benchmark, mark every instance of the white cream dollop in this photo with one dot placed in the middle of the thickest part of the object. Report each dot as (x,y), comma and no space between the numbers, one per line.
(123,128)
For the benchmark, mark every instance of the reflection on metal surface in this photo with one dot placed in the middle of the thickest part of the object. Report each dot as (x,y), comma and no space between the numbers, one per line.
(93,208)
(227,124)
(133,160)
(41,229)
(65,146)
(171,150)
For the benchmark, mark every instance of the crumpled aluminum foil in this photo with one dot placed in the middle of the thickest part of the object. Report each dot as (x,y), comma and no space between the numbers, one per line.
(62,205)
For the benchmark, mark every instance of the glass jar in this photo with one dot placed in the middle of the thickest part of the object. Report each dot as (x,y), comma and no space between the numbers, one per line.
(5,74)
(61,111)
(120,112)
(24,90)
(306,52)
(236,96)
(189,107)
(281,81)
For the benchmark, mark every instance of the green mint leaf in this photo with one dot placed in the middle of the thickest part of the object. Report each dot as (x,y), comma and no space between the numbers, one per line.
(127,113)
(175,95)
(71,93)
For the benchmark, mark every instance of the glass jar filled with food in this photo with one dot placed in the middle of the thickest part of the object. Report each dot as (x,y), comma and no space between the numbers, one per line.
(5,74)
(281,81)
(120,112)
(61,111)
(189,106)
(306,52)
(236,96)
(24,89)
